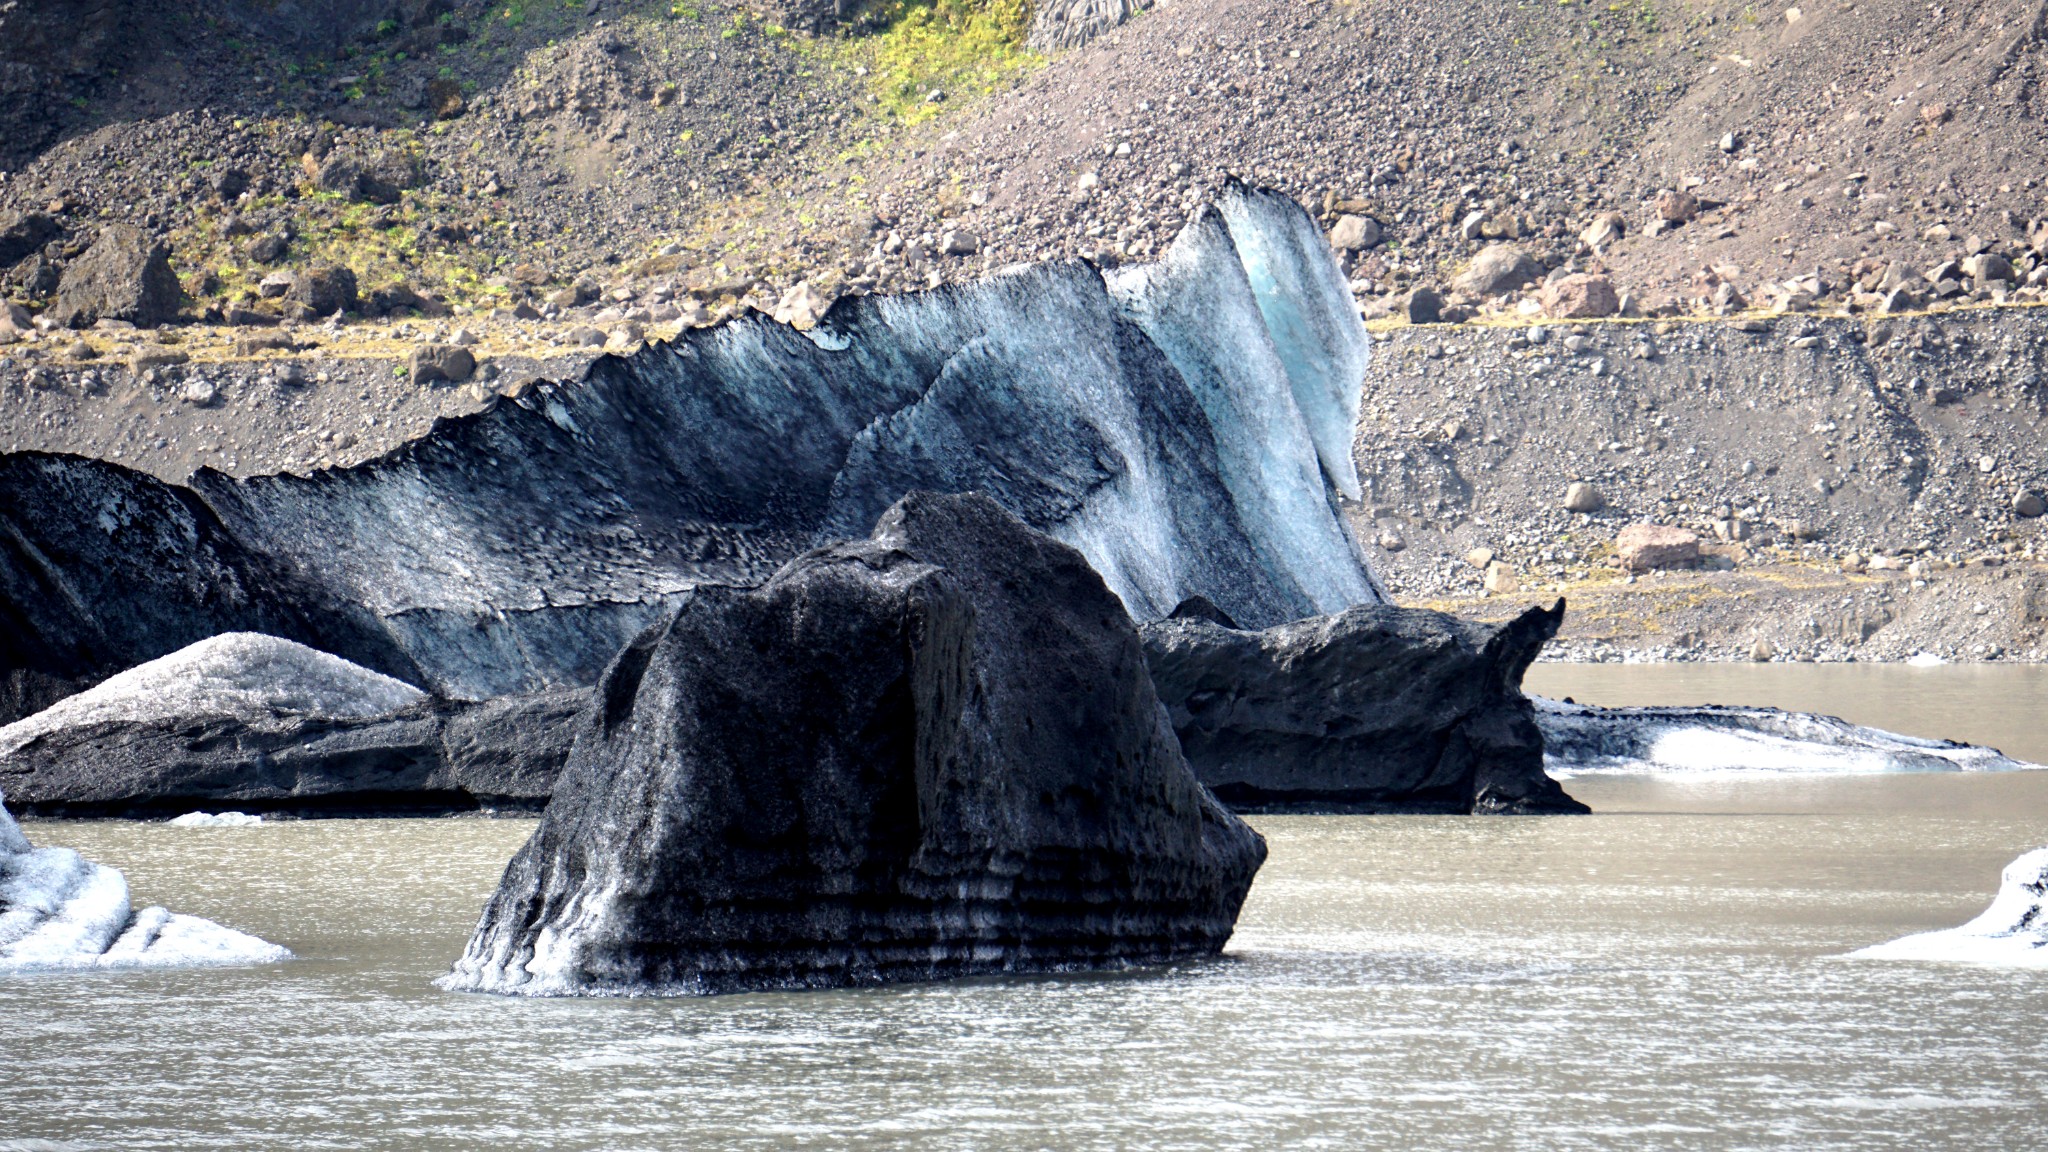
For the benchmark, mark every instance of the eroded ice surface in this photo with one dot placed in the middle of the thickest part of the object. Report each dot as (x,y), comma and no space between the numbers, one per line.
(1712,738)
(241,674)
(59,911)
(2013,932)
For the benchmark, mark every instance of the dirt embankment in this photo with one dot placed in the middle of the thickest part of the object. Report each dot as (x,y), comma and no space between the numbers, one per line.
(1859,489)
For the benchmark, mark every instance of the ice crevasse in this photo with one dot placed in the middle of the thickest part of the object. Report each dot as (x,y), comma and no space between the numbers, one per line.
(60,911)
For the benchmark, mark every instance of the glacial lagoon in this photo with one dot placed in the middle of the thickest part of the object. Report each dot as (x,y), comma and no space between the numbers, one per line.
(1666,973)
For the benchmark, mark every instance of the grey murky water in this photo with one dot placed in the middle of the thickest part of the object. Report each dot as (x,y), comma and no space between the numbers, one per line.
(2003,706)
(1621,981)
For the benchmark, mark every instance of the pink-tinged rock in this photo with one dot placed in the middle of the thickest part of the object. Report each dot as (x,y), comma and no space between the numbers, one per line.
(1643,547)
(1580,296)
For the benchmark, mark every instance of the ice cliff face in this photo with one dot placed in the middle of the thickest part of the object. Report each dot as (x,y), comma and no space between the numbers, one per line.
(2011,933)
(61,911)
(1185,426)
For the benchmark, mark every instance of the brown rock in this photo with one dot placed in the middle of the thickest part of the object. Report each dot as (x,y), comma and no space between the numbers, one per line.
(1677,207)
(1643,547)
(1580,296)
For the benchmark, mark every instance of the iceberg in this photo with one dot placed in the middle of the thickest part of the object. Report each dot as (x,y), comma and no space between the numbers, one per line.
(60,911)
(1580,739)
(215,820)
(1187,429)
(244,675)
(2011,933)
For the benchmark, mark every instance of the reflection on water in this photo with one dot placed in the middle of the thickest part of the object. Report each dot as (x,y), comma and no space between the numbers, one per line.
(1619,981)
(2002,706)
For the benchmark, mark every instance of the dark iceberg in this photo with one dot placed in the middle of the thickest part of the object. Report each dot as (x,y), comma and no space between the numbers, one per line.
(1375,709)
(1185,426)
(932,753)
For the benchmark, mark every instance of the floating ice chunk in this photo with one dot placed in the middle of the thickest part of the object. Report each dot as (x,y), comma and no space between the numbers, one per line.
(215,820)
(1580,739)
(2011,933)
(244,674)
(59,910)
(1924,660)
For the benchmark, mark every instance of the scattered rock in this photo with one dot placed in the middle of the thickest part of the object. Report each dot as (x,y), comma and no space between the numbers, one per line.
(958,242)
(260,342)
(2028,504)
(154,356)
(1606,228)
(1500,579)
(24,234)
(1579,496)
(1762,652)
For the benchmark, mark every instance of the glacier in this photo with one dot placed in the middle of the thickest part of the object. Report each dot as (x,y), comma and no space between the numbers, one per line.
(1187,427)
(2012,933)
(60,911)
(1580,739)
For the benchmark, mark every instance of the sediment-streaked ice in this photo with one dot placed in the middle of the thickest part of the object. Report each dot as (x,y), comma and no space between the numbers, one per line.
(1713,738)
(61,911)
(2013,932)
(242,674)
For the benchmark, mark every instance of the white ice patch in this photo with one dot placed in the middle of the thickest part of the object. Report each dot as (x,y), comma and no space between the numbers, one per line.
(60,911)
(215,820)
(1579,739)
(242,674)
(1924,660)
(2012,933)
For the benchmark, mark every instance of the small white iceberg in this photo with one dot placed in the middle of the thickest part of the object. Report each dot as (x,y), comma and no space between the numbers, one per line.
(215,820)
(2012,933)
(60,911)
(1711,738)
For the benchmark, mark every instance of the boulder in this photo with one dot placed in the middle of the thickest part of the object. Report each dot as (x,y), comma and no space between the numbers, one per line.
(268,724)
(324,290)
(1580,296)
(1375,709)
(1422,306)
(928,754)
(1675,207)
(1580,496)
(1354,233)
(1642,547)
(24,234)
(125,275)
(436,362)
(1498,268)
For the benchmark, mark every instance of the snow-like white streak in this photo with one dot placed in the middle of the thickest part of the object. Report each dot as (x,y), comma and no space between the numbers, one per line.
(1311,315)
(243,674)
(1579,739)
(60,911)
(2012,933)
(215,820)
